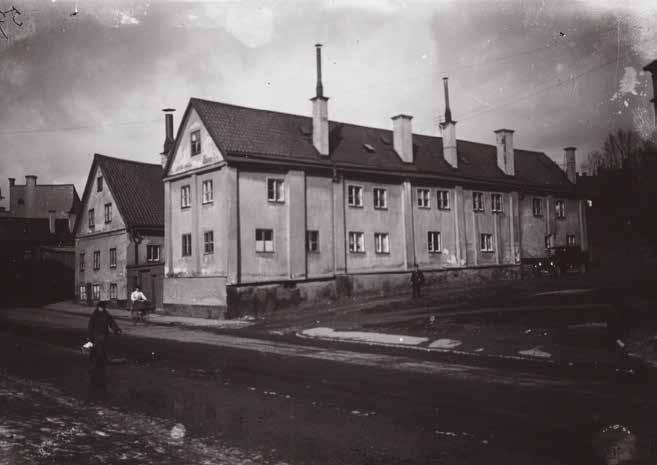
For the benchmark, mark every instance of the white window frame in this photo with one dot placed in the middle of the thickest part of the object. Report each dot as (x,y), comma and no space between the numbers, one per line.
(442,198)
(496,203)
(112,255)
(423,198)
(486,242)
(108,213)
(382,243)
(208,245)
(355,196)
(262,243)
(185,196)
(186,245)
(571,239)
(91,214)
(195,142)
(312,241)
(432,238)
(83,292)
(560,209)
(95,292)
(380,198)
(113,291)
(276,190)
(478,201)
(549,241)
(150,256)
(356,242)
(537,206)
(208,191)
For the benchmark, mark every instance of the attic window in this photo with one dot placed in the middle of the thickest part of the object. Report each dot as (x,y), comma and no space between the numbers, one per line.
(305,130)
(369,148)
(386,140)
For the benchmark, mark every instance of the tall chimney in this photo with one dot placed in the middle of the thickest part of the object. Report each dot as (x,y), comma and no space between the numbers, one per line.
(168,135)
(320,111)
(30,180)
(402,137)
(12,182)
(505,156)
(571,165)
(448,129)
(51,221)
(652,67)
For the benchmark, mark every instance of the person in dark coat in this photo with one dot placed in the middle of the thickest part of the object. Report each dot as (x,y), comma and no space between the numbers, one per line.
(100,324)
(417,280)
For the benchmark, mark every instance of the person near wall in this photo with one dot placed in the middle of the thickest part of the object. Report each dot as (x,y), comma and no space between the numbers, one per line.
(417,280)
(137,302)
(99,327)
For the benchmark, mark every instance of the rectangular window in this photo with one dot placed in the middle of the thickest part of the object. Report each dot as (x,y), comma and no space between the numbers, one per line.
(486,242)
(97,260)
(82,262)
(83,292)
(92,220)
(195,138)
(112,253)
(186,245)
(312,241)
(153,253)
(380,199)
(356,242)
(108,213)
(537,206)
(570,239)
(275,190)
(423,198)
(264,240)
(478,201)
(113,289)
(496,203)
(95,292)
(208,242)
(549,241)
(560,208)
(185,196)
(434,242)
(381,243)
(99,183)
(355,196)
(208,193)
(443,200)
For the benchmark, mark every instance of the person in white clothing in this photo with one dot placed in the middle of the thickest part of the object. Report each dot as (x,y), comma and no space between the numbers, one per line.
(137,298)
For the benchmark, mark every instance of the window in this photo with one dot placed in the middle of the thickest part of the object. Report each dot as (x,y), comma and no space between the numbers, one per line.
(92,220)
(423,198)
(496,202)
(275,191)
(560,208)
(478,201)
(186,245)
(153,253)
(195,138)
(486,242)
(549,241)
(443,199)
(82,262)
(112,254)
(355,196)
(264,240)
(208,193)
(208,242)
(433,242)
(312,241)
(95,292)
(108,213)
(185,196)
(83,292)
(380,199)
(381,243)
(570,239)
(356,242)
(97,260)
(537,206)
(113,292)
(99,184)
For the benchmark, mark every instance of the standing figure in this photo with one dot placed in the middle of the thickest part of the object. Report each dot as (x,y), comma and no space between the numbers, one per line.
(137,299)
(99,326)
(417,279)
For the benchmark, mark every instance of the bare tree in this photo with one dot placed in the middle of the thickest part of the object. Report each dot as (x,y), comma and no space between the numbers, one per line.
(619,148)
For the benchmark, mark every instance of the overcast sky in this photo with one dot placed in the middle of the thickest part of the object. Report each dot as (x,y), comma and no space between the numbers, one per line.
(559,73)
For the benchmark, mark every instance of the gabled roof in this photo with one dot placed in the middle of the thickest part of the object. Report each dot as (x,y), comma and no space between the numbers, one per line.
(241,132)
(137,189)
(63,198)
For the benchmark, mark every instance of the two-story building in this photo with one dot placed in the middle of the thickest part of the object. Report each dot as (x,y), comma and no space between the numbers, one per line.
(263,207)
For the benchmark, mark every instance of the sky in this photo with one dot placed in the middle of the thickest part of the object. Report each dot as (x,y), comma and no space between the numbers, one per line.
(559,73)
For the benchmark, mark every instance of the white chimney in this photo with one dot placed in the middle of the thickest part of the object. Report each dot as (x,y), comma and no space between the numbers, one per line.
(448,130)
(51,221)
(505,155)
(320,111)
(571,165)
(30,180)
(402,137)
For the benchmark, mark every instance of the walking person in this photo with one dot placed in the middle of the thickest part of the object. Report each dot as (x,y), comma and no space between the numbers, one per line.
(99,327)
(137,300)
(417,280)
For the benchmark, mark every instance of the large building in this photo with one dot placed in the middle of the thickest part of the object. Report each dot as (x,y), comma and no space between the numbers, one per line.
(119,233)
(264,207)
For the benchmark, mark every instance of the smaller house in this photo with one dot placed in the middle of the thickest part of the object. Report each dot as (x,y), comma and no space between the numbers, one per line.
(119,232)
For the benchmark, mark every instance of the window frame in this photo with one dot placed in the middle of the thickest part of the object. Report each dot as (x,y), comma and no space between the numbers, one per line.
(108,212)
(356,200)
(195,145)
(380,201)
(431,242)
(478,201)
(186,244)
(99,184)
(443,194)
(83,292)
(568,239)
(207,194)
(310,241)
(113,291)
(95,292)
(382,239)
(549,241)
(419,194)
(496,207)
(486,243)
(537,212)
(149,255)
(81,261)
(96,260)
(185,201)
(112,254)
(356,242)
(208,245)
(261,243)
(560,209)
(91,219)
(278,190)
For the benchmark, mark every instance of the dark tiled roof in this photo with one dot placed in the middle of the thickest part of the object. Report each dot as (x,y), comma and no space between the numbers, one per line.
(34,230)
(59,197)
(240,131)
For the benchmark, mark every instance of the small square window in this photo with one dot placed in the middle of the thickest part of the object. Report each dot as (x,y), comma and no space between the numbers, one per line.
(312,241)
(186,245)
(537,206)
(443,199)
(355,196)
(496,203)
(264,240)
(486,242)
(381,243)
(153,253)
(195,139)
(560,209)
(185,196)
(99,184)
(423,198)
(208,193)
(275,190)
(356,242)
(380,199)
(112,258)
(434,244)
(208,242)
(478,201)
(108,213)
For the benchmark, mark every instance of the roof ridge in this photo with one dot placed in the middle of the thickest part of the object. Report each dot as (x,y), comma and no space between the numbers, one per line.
(124,160)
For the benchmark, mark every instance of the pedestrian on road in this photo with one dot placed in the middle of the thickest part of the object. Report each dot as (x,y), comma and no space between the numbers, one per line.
(137,300)
(417,280)
(100,324)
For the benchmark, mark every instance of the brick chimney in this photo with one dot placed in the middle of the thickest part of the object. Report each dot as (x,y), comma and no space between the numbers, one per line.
(51,221)
(505,156)
(571,165)
(320,110)
(168,135)
(448,130)
(652,67)
(402,137)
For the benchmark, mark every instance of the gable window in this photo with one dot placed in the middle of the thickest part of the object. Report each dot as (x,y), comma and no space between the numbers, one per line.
(208,242)
(275,191)
(423,198)
(570,239)
(434,243)
(356,242)
(355,196)
(312,241)
(264,240)
(153,253)
(92,220)
(186,245)
(381,243)
(478,201)
(108,213)
(82,261)
(112,261)
(443,200)
(549,241)
(97,260)
(486,242)
(95,291)
(380,199)
(560,209)
(113,289)
(496,203)
(83,292)
(195,139)
(99,184)
(537,206)
(208,193)
(185,196)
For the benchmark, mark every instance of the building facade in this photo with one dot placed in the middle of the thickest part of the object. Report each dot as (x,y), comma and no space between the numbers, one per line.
(265,208)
